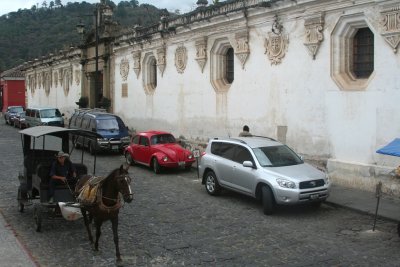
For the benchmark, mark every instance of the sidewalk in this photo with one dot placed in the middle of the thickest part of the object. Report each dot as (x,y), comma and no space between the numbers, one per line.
(13,254)
(365,202)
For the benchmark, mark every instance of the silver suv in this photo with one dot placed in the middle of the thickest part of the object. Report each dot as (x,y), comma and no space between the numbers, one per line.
(263,168)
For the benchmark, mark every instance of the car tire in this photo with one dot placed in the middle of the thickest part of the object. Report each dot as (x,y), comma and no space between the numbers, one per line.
(156,166)
(268,200)
(211,184)
(129,159)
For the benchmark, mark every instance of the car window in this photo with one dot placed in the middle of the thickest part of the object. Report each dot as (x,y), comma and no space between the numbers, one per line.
(108,124)
(225,150)
(16,109)
(50,113)
(276,156)
(92,124)
(135,139)
(242,154)
(144,141)
(162,139)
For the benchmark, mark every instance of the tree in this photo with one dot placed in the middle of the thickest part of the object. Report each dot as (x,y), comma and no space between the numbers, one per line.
(51,5)
(44,4)
(58,3)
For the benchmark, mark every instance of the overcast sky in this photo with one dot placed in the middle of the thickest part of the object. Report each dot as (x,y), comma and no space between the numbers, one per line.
(184,6)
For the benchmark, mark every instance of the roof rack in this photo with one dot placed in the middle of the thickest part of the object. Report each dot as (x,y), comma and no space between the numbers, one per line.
(90,109)
(272,139)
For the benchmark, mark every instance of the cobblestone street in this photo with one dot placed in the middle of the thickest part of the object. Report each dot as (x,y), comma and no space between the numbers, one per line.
(174,222)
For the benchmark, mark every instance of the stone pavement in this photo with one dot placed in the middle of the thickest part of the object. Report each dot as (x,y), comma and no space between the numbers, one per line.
(13,253)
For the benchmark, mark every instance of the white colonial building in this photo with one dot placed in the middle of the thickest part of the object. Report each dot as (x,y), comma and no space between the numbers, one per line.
(322,76)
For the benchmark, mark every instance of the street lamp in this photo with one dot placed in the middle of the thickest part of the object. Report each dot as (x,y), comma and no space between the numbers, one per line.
(101,13)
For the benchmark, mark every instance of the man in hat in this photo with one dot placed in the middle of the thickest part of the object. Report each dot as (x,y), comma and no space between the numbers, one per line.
(62,171)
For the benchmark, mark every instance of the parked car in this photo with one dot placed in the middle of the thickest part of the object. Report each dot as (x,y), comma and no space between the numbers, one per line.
(158,149)
(35,116)
(262,168)
(114,132)
(19,120)
(11,112)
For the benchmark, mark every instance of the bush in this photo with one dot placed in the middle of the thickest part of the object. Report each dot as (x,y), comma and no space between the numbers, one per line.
(83,102)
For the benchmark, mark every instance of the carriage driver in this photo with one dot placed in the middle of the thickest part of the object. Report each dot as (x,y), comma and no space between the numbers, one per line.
(62,171)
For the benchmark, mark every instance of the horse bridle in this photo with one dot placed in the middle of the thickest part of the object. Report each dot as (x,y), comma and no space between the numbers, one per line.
(128,180)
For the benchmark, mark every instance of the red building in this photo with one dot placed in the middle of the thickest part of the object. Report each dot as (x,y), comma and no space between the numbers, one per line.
(12,88)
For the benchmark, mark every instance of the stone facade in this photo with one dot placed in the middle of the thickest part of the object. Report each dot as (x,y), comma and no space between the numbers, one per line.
(292,80)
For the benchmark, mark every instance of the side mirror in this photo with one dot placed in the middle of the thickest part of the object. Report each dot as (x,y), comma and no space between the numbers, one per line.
(248,164)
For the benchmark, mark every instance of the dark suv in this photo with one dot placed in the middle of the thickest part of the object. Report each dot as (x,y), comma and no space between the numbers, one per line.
(262,168)
(115,135)
(11,113)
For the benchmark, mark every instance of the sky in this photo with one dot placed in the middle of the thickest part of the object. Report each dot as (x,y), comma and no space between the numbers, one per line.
(184,6)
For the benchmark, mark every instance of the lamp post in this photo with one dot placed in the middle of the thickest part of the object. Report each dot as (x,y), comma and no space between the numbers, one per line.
(102,10)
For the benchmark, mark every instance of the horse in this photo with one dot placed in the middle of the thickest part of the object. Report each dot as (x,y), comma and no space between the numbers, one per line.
(107,203)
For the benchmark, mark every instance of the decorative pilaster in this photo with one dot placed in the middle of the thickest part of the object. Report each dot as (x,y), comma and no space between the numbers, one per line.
(201,52)
(242,49)
(314,27)
(180,59)
(161,61)
(390,21)
(136,62)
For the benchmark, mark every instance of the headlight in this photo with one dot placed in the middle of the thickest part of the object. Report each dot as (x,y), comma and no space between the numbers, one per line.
(190,156)
(165,158)
(327,180)
(286,183)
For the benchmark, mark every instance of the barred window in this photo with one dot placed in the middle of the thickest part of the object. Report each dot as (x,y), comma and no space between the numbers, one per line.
(363,53)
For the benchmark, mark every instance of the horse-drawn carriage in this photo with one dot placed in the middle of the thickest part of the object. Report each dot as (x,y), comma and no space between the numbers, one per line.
(40,145)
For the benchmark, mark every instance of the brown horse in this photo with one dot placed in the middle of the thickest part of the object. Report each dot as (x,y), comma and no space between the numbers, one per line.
(107,203)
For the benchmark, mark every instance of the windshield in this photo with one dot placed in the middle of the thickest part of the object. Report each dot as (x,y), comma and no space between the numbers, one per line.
(50,113)
(109,124)
(162,139)
(276,156)
(16,109)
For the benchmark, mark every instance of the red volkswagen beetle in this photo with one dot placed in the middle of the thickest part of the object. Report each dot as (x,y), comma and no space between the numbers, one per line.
(157,150)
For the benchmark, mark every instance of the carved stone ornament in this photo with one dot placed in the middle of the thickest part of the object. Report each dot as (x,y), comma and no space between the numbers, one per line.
(276,47)
(314,34)
(161,61)
(47,82)
(136,63)
(201,52)
(242,50)
(124,69)
(390,22)
(180,59)
(32,83)
(67,80)
(77,77)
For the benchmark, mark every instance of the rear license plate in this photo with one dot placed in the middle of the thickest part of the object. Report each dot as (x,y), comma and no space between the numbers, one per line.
(314,196)
(114,147)
(181,163)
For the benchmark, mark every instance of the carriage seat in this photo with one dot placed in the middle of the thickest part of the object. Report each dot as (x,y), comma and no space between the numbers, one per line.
(43,171)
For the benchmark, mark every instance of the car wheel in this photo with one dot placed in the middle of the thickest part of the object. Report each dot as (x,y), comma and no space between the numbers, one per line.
(268,200)
(212,186)
(156,166)
(129,159)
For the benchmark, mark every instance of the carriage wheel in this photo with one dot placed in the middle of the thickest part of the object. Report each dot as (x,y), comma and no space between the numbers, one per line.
(20,202)
(37,216)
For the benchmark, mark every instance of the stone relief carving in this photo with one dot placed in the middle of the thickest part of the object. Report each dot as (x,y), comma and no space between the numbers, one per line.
(314,34)
(161,61)
(136,62)
(60,76)
(180,59)
(124,69)
(277,43)
(201,52)
(390,21)
(77,77)
(67,80)
(242,50)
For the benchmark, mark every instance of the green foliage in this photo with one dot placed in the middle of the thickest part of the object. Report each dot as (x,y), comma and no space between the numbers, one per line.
(51,26)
